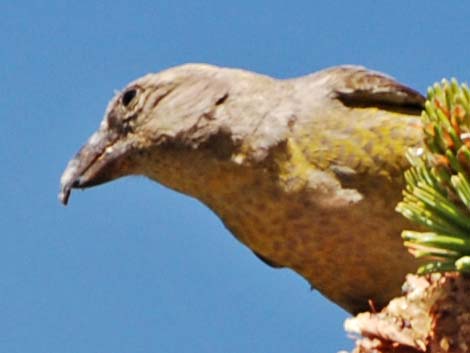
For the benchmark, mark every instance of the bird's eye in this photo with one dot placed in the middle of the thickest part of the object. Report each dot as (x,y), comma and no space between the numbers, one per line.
(128,96)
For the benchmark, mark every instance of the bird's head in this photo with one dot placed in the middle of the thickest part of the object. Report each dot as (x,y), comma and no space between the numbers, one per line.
(178,106)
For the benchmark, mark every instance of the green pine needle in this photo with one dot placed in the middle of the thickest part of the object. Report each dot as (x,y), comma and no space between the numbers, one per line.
(437,194)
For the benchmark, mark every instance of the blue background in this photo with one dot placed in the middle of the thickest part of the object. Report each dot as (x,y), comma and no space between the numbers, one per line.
(134,267)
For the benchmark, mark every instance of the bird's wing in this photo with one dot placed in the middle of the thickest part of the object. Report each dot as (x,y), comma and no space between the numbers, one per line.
(356,86)
(359,126)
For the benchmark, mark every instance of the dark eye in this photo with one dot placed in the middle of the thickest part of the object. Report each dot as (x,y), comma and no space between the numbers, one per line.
(128,96)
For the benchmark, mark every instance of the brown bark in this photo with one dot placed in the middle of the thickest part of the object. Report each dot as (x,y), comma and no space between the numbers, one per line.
(432,316)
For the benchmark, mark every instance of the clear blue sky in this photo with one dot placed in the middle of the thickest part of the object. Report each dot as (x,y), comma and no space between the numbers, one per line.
(131,266)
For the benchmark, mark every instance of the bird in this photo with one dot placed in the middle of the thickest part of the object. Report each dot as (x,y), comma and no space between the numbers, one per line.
(306,171)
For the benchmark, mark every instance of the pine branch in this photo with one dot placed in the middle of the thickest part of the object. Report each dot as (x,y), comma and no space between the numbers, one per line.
(437,195)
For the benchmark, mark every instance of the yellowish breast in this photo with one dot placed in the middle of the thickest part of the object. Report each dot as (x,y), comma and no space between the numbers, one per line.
(351,254)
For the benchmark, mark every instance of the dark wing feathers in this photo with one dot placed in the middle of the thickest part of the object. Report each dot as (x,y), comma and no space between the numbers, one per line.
(359,87)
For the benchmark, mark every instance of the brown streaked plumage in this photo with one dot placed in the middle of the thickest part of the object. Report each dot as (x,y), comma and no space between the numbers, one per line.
(306,171)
